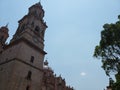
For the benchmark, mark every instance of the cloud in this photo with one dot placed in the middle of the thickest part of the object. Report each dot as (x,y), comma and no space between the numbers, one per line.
(83,74)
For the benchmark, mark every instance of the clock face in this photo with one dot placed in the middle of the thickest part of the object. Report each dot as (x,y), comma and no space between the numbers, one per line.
(35,39)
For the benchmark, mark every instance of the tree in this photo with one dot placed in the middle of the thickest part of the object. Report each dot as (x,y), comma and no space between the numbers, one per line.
(116,85)
(108,49)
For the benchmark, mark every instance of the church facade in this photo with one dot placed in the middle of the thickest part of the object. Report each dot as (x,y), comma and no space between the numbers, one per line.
(22,65)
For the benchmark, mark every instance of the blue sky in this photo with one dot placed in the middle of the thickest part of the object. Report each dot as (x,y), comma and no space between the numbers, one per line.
(73,31)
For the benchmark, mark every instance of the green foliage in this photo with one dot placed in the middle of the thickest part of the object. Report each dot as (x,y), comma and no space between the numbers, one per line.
(108,49)
(115,85)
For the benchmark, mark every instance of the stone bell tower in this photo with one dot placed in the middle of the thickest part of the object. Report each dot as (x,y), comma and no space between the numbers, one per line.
(21,62)
(32,27)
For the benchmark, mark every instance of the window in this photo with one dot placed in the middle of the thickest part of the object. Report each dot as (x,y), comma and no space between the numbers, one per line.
(1,38)
(37,28)
(29,75)
(32,59)
(28,87)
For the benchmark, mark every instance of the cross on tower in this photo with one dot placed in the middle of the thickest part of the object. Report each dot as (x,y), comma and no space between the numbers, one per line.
(40,1)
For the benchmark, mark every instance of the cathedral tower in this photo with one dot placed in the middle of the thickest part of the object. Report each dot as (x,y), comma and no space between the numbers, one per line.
(32,27)
(21,62)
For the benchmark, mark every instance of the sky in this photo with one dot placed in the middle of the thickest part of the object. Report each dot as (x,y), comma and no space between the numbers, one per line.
(73,31)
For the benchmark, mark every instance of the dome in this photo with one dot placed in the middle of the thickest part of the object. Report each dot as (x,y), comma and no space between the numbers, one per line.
(46,67)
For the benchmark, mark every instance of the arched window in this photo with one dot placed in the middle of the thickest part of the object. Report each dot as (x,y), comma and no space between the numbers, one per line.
(32,59)
(29,75)
(28,87)
(37,29)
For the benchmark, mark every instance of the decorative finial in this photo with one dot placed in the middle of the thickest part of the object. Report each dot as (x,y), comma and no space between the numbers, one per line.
(7,25)
(39,1)
(46,63)
(60,75)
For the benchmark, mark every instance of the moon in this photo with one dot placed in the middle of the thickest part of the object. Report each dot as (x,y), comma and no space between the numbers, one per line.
(83,74)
